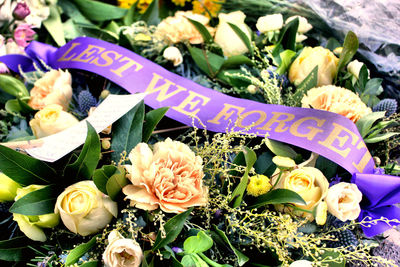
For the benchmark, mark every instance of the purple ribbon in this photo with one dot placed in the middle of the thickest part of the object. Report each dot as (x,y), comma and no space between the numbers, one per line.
(328,134)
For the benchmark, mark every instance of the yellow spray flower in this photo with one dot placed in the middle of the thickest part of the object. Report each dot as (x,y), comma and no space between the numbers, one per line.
(142,5)
(180,2)
(207,7)
(258,185)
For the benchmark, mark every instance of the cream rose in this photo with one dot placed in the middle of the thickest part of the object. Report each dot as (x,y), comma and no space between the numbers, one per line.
(343,201)
(122,252)
(31,225)
(53,88)
(84,209)
(306,62)
(50,120)
(268,23)
(308,182)
(174,55)
(227,38)
(304,26)
(169,177)
(354,68)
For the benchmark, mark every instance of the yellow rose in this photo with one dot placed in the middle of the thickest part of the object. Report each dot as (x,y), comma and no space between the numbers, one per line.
(343,201)
(53,88)
(31,225)
(308,182)
(8,188)
(50,120)
(84,209)
(307,60)
(227,38)
(268,23)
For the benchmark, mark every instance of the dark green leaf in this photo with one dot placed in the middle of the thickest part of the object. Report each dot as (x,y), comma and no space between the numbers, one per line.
(350,47)
(309,82)
(23,169)
(379,137)
(84,166)
(199,243)
(363,77)
(264,164)
(277,196)
(116,183)
(14,249)
(90,264)
(152,16)
(237,195)
(53,25)
(287,36)
(373,87)
(13,86)
(38,202)
(101,176)
(208,62)
(70,9)
(327,167)
(202,30)
(236,61)
(98,11)
(151,119)
(25,108)
(245,39)
(220,237)
(127,131)
(365,123)
(75,254)
(225,76)
(132,15)
(17,105)
(172,229)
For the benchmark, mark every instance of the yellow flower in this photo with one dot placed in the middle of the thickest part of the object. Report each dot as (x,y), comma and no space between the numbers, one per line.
(142,5)
(32,225)
(50,120)
(207,7)
(8,188)
(180,2)
(321,213)
(283,162)
(258,185)
(336,99)
(306,62)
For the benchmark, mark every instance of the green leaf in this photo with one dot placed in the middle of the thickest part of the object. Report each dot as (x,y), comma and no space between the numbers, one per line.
(236,61)
(287,36)
(75,254)
(53,25)
(98,11)
(286,59)
(101,176)
(264,164)
(199,243)
(202,30)
(245,39)
(172,229)
(84,166)
(132,15)
(363,77)
(333,258)
(208,62)
(151,119)
(280,149)
(332,44)
(221,238)
(127,131)
(116,182)
(90,264)
(113,29)
(38,202)
(277,196)
(17,105)
(13,86)
(350,47)
(373,87)
(15,249)
(365,123)
(72,11)
(193,260)
(309,82)
(327,167)
(24,169)
(237,195)
(152,16)
(379,137)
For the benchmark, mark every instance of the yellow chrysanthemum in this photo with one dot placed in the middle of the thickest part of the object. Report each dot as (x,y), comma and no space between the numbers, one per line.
(258,185)
(142,5)
(207,7)
(336,99)
(180,2)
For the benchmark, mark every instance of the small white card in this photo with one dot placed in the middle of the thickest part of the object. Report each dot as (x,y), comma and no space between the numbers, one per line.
(60,144)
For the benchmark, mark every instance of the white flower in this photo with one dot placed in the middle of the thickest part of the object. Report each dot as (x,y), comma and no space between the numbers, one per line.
(39,12)
(268,23)
(6,11)
(13,48)
(300,38)
(304,26)
(252,89)
(354,68)
(301,263)
(343,201)
(174,55)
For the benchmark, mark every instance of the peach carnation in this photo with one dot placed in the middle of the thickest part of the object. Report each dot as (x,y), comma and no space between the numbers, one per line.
(178,28)
(336,99)
(169,177)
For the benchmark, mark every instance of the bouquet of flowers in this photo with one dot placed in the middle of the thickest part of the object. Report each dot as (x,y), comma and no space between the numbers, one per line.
(253,141)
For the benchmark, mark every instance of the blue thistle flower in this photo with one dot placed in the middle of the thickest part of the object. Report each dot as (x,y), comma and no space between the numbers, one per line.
(344,238)
(86,100)
(388,105)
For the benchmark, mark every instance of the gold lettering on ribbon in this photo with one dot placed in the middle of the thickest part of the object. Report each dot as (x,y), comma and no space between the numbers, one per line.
(126,66)
(335,135)
(313,131)
(163,89)
(262,118)
(365,159)
(276,119)
(107,59)
(63,58)
(189,101)
(87,53)
(224,113)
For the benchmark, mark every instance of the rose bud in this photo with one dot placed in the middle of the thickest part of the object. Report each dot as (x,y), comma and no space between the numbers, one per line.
(21,11)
